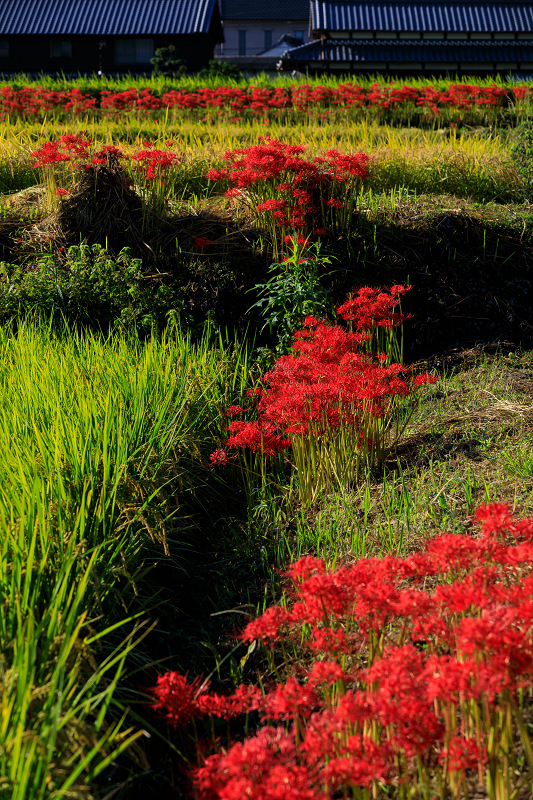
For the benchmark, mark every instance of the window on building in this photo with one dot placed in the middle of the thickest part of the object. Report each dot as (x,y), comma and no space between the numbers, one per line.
(299,35)
(242,43)
(60,48)
(4,48)
(268,40)
(134,51)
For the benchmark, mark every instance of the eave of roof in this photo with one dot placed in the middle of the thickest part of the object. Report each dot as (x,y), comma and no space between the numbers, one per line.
(410,50)
(279,48)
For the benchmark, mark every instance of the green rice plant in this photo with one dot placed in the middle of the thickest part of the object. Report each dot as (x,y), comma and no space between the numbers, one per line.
(101,445)
(61,725)
(160,83)
(457,166)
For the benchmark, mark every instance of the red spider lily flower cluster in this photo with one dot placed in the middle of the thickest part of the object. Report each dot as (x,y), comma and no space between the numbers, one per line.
(259,436)
(38,102)
(65,149)
(370,308)
(145,166)
(155,162)
(295,193)
(328,382)
(232,102)
(201,242)
(75,150)
(402,682)
(219,458)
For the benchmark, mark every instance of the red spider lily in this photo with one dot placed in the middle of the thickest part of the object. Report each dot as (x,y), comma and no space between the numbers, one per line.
(271,205)
(329,393)
(177,697)
(75,149)
(76,145)
(399,708)
(234,411)
(155,162)
(219,458)
(299,240)
(462,753)
(259,437)
(263,767)
(266,170)
(48,154)
(80,152)
(201,242)
(370,308)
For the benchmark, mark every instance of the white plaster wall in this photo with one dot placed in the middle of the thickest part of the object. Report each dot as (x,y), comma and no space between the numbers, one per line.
(255,34)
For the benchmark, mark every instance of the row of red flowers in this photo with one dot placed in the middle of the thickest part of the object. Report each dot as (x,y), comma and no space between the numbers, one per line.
(37,101)
(292,194)
(415,676)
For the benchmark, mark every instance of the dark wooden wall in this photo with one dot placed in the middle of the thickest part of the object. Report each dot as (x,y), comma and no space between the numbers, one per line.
(32,54)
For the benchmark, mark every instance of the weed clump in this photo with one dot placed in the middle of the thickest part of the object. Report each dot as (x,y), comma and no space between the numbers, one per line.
(103,208)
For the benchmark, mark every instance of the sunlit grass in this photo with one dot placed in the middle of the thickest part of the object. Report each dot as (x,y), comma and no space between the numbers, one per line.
(192,82)
(100,442)
(104,441)
(467,443)
(460,163)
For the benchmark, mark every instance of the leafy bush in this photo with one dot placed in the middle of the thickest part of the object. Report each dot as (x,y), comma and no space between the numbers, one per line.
(220,69)
(87,285)
(166,62)
(293,292)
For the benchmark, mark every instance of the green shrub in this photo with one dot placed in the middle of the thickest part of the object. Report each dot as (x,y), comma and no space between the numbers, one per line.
(166,63)
(88,285)
(220,69)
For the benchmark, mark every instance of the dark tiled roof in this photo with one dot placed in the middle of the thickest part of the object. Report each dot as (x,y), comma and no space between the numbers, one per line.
(265,9)
(422,16)
(105,17)
(412,50)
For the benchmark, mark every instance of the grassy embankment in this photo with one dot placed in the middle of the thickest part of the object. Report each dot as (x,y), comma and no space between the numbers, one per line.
(105,460)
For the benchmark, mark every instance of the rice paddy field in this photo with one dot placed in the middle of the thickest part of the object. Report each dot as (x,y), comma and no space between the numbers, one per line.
(266,493)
